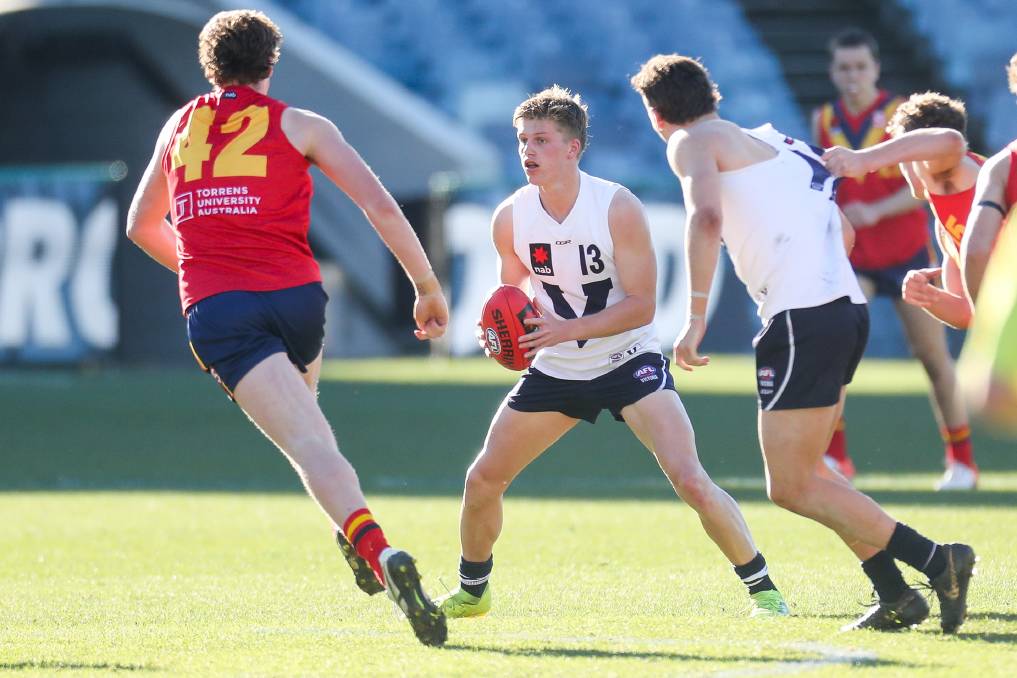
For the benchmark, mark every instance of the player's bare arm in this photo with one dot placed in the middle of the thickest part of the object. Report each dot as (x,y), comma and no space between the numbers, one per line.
(637,272)
(694,160)
(988,209)
(146,219)
(511,270)
(323,144)
(938,151)
(866,215)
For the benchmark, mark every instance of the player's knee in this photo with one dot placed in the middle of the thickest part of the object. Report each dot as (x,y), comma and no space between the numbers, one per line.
(695,489)
(787,493)
(482,484)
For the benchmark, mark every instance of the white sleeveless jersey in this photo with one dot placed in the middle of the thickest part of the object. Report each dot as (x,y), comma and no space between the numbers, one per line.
(782,229)
(572,274)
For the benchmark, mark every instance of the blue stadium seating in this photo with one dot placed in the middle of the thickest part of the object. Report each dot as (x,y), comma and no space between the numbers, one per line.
(441,49)
(974,56)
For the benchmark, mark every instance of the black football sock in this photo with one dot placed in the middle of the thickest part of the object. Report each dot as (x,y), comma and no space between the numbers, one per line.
(473,576)
(919,552)
(885,577)
(755,575)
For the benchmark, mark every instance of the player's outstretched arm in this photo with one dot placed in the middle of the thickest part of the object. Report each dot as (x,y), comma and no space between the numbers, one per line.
(987,211)
(321,142)
(636,267)
(146,219)
(695,163)
(941,149)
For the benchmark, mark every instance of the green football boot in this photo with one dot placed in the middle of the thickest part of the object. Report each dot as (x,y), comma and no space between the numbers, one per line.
(459,603)
(768,604)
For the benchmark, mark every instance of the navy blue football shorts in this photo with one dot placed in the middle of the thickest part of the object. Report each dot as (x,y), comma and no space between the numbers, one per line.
(584,399)
(890,280)
(232,332)
(804,356)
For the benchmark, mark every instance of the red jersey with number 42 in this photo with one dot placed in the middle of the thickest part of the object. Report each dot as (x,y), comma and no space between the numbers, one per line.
(240,197)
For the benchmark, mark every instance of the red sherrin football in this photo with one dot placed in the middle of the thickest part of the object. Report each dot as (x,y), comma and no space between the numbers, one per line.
(502,325)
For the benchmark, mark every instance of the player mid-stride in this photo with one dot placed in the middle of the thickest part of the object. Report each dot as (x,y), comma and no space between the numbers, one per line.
(583,246)
(231,167)
(770,199)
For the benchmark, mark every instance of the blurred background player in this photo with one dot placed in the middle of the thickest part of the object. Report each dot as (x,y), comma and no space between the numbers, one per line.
(988,364)
(768,197)
(231,167)
(989,360)
(995,196)
(584,246)
(891,239)
(930,145)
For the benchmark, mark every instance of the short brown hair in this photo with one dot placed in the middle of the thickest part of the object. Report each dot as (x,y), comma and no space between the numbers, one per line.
(853,37)
(240,47)
(565,109)
(1011,73)
(928,109)
(677,87)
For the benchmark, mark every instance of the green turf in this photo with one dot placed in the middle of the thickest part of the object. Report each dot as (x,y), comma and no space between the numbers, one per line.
(148,529)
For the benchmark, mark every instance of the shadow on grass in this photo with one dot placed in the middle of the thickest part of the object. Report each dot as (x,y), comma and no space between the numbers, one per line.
(592,653)
(174,431)
(72,666)
(994,616)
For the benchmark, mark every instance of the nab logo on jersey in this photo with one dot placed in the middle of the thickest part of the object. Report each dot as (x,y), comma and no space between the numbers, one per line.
(540,258)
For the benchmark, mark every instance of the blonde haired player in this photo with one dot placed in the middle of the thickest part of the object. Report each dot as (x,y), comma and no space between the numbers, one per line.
(583,247)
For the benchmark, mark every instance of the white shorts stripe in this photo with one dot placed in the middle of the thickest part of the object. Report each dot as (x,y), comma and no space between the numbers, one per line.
(790,363)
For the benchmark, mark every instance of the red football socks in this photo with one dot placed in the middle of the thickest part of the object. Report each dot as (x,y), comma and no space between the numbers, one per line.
(958,445)
(367,538)
(838,443)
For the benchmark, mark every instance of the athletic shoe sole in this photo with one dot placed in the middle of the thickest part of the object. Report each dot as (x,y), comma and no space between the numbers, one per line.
(362,572)
(403,580)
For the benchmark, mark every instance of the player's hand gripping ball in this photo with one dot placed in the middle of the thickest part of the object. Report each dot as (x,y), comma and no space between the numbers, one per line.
(501,326)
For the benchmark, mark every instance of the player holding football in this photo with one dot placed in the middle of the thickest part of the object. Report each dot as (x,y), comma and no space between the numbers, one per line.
(231,167)
(892,238)
(583,245)
(770,199)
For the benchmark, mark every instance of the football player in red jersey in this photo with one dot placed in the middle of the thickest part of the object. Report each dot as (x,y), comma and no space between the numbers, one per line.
(995,196)
(930,145)
(231,168)
(892,230)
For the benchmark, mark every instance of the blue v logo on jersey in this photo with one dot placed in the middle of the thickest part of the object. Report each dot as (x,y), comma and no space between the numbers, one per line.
(540,258)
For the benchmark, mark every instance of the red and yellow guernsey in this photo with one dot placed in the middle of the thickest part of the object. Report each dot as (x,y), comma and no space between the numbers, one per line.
(893,240)
(1011,179)
(952,215)
(240,197)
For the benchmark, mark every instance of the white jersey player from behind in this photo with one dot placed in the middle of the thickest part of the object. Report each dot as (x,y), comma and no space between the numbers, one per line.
(770,199)
(583,247)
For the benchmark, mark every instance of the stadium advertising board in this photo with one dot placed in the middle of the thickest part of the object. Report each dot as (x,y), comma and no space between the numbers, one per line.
(58,234)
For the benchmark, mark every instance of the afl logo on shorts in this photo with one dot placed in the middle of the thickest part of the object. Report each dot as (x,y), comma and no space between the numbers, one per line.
(646,373)
(540,258)
(493,343)
(766,376)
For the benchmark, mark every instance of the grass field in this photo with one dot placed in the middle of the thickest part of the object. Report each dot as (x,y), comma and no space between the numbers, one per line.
(146,528)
